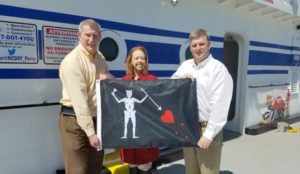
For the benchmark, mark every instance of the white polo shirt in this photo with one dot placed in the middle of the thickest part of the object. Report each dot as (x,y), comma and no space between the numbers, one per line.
(214,92)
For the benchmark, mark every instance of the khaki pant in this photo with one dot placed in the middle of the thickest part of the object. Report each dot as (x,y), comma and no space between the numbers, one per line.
(200,161)
(79,156)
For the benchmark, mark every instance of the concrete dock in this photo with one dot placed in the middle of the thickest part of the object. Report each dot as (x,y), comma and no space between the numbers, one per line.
(272,152)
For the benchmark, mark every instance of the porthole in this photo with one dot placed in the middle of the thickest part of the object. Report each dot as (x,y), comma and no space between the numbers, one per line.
(188,54)
(109,48)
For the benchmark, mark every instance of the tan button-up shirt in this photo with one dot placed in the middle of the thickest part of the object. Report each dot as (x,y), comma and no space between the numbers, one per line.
(78,73)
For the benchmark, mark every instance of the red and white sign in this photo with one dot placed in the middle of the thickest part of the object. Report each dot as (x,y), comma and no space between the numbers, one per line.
(58,42)
(62,32)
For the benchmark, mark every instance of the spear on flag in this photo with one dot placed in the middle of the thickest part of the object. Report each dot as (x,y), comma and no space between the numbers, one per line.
(158,107)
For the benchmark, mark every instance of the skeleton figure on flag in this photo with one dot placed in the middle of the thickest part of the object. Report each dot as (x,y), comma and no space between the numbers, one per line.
(129,113)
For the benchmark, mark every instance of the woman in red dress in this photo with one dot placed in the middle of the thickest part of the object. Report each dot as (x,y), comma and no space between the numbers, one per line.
(140,160)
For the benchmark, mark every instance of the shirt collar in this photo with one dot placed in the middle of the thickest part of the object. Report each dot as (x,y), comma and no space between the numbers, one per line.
(84,51)
(141,77)
(201,64)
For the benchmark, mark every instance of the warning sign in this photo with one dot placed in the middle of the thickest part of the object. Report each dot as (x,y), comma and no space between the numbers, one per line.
(18,42)
(58,42)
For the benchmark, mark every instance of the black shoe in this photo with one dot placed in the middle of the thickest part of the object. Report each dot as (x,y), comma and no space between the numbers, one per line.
(144,172)
(133,170)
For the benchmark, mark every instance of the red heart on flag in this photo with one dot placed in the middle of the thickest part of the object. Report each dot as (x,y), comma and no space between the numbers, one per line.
(167,117)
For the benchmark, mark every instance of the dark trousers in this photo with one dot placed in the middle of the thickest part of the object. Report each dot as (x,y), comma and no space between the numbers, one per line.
(79,156)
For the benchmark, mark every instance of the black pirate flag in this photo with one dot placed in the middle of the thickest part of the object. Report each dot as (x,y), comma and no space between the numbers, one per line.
(147,113)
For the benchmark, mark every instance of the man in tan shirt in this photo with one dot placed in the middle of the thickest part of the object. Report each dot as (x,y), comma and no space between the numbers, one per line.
(77,121)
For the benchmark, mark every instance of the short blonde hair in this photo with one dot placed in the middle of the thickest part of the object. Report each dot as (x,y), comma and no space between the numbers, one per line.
(90,22)
(199,32)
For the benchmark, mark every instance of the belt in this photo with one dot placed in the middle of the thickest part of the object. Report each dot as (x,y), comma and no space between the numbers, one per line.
(203,124)
(67,111)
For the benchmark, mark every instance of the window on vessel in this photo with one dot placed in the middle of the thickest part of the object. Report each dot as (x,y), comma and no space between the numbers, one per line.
(109,48)
(188,54)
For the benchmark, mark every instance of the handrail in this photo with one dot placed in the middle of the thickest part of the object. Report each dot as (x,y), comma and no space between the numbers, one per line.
(29,105)
(268,85)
